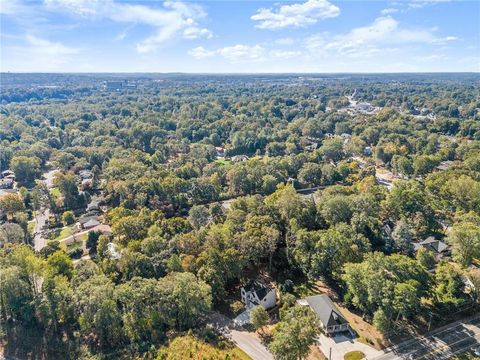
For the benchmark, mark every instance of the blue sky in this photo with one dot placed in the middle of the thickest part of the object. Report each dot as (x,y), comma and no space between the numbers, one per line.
(239,36)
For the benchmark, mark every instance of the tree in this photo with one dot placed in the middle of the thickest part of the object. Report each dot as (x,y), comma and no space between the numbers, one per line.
(293,336)
(26,168)
(68,217)
(97,313)
(310,174)
(425,258)
(381,321)
(60,263)
(184,299)
(11,233)
(11,204)
(324,252)
(402,237)
(198,216)
(259,317)
(465,239)
(448,288)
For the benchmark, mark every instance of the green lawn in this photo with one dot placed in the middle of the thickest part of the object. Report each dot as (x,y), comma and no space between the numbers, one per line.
(60,234)
(76,245)
(354,355)
(223,161)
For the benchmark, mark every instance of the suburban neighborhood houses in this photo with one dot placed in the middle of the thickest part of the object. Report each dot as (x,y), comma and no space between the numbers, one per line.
(269,217)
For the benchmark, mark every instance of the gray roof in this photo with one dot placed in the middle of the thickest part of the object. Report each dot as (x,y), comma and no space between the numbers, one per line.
(326,310)
(433,244)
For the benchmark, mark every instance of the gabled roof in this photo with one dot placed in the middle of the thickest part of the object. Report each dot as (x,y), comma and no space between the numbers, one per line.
(325,310)
(433,244)
(258,287)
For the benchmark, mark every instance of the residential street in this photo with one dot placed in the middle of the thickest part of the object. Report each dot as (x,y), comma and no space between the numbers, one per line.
(42,215)
(441,344)
(247,341)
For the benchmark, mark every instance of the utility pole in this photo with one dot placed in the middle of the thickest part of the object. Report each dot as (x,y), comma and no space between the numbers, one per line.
(330,354)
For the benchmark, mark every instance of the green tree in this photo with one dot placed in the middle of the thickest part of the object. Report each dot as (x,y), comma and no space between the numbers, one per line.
(68,217)
(293,336)
(26,168)
(465,240)
(259,318)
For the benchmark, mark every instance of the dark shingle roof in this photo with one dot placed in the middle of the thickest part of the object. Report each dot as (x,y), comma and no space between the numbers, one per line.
(326,310)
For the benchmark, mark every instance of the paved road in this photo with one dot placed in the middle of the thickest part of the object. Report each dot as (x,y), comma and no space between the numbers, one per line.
(441,344)
(42,215)
(247,341)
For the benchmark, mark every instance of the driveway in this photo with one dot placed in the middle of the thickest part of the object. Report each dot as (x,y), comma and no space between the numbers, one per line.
(341,344)
(249,342)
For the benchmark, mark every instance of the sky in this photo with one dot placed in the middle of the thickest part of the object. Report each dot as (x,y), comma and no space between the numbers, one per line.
(299,36)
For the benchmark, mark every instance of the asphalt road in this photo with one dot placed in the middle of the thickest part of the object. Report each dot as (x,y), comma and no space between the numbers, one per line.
(42,215)
(247,341)
(441,344)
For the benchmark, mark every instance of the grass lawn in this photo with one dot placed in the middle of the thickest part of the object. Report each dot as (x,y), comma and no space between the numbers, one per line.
(223,161)
(76,245)
(191,347)
(354,355)
(60,234)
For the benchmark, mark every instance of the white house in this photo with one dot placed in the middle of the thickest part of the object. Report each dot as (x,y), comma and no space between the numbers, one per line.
(257,293)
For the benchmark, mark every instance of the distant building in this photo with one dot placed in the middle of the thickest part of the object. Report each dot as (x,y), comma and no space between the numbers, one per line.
(257,293)
(239,158)
(6,183)
(87,222)
(220,151)
(331,320)
(117,85)
(7,174)
(444,165)
(439,248)
(368,151)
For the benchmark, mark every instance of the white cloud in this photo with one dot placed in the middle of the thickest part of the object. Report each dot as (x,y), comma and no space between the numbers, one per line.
(388,11)
(47,55)
(174,19)
(417,4)
(295,15)
(240,52)
(201,53)
(284,54)
(196,32)
(368,40)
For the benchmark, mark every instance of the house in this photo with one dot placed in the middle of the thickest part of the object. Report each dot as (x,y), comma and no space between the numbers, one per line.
(438,247)
(6,183)
(311,147)
(367,151)
(239,158)
(444,165)
(85,174)
(220,151)
(86,222)
(331,320)
(257,293)
(91,224)
(7,173)
(94,206)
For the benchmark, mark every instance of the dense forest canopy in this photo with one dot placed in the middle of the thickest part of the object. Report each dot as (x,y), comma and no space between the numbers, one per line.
(206,180)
